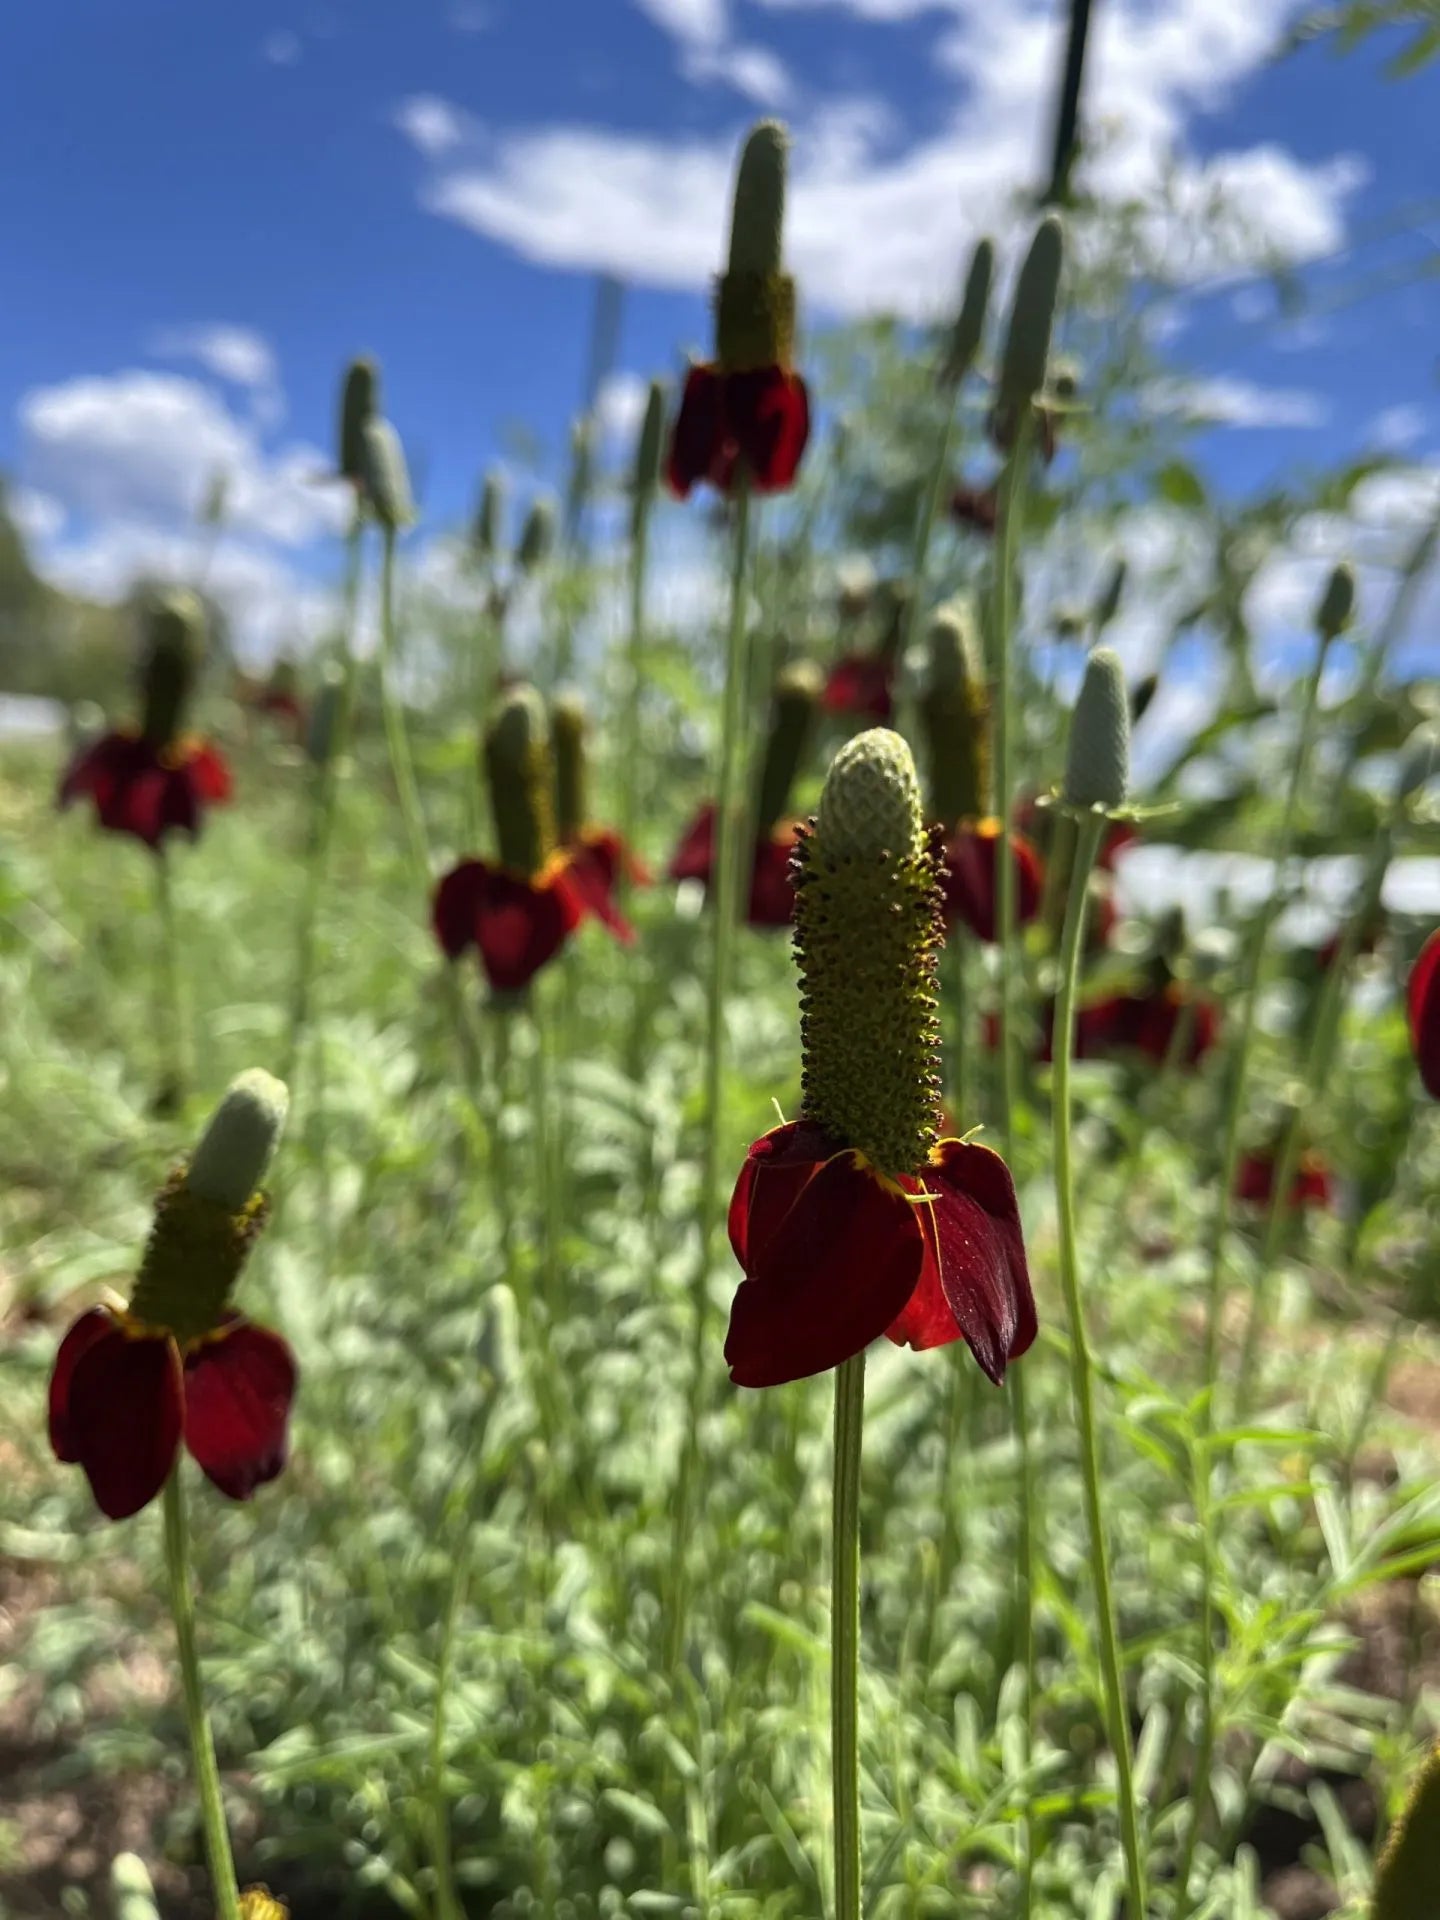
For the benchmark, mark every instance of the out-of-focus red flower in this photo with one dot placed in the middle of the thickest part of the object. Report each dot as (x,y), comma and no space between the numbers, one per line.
(275,703)
(975,507)
(756,415)
(972,878)
(598,857)
(862,684)
(1310,1186)
(835,1254)
(772,893)
(1119,835)
(515,923)
(1423,1006)
(124,1395)
(1147,1022)
(148,790)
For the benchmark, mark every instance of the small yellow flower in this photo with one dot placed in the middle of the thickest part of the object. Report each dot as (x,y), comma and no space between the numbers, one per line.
(257,1903)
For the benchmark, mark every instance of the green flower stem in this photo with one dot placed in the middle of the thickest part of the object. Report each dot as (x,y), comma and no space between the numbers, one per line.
(725,903)
(1240,1064)
(845,1633)
(323,810)
(547,1186)
(630,763)
(1082,1368)
(202,1747)
(401,766)
(172,998)
(1011,505)
(925,520)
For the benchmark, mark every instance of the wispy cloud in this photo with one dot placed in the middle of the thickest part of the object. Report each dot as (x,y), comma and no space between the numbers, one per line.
(433,125)
(701,31)
(282,48)
(1225,400)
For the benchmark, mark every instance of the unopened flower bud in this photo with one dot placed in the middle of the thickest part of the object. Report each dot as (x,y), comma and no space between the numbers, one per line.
(1032,316)
(132,1894)
(537,537)
(237,1147)
(359,402)
(1337,604)
(1107,602)
(649,452)
(173,645)
(755,299)
(1407,1882)
(487,533)
(969,328)
(569,723)
(867,933)
(793,710)
(1097,766)
(386,476)
(520,778)
(955,711)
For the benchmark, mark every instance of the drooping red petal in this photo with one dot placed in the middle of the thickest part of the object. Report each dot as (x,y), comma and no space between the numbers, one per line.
(695,855)
(456,904)
(1422,1002)
(92,1325)
(1312,1185)
(209,773)
(1255,1179)
(777,1168)
(520,924)
(123,1415)
(862,684)
(697,443)
(767,418)
(925,1321)
(238,1388)
(830,1279)
(772,888)
(593,870)
(137,790)
(1120,835)
(976,1240)
(972,878)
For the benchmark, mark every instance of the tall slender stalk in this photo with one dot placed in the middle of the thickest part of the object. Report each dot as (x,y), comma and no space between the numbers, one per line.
(634,676)
(402,767)
(202,1746)
(172,998)
(729,856)
(1082,1368)
(845,1633)
(925,529)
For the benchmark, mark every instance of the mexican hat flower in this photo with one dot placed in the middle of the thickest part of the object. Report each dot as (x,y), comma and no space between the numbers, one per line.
(1423,1006)
(863,683)
(155,779)
(599,858)
(1311,1184)
(518,911)
(955,715)
(858,1219)
(178,1365)
(770,901)
(1148,1021)
(747,412)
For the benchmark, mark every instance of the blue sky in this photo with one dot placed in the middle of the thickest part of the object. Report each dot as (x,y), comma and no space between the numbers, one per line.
(206,210)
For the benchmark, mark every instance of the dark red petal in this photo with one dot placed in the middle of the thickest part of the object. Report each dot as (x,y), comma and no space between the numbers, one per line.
(1122,834)
(697,441)
(926,1320)
(520,924)
(836,1271)
(695,855)
(123,1416)
(209,773)
(981,1253)
(976,507)
(862,683)
(778,1166)
(1423,1004)
(605,846)
(456,904)
(972,879)
(1255,1179)
(238,1389)
(591,873)
(1312,1185)
(83,1334)
(772,889)
(767,415)
(94,768)
(180,802)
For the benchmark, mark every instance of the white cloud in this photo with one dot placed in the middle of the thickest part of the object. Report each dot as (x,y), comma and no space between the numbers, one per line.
(754,71)
(1396,428)
(237,354)
(281,49)
(620,407)
(696,23)
(434,125)
(471,18)
(1225,400)
(39,516)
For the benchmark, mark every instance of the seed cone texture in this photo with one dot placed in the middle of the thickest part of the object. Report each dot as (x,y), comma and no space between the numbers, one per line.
(487,534)
(569,723)
(537,537)
(520,777)
(1337,604)
(867,936)
(755,299)
(359,403)
(1097,767)
(1407,1885)
(649,454)
(792,728)
(387,478)
(172,648)
(1032,316)
(969,328)
(955,712)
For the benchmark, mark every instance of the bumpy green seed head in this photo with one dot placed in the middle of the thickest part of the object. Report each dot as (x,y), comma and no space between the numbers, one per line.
(955,712)
(969,328)
(649,452)
(1097,766)
(537,537)
(793,711)
(171,650)
(1032,316)
(386,476)
(520,778)
(487,536)
(1337,604)
(1407,1883)
(359,403)
(569,724)
(210,1211)
(867,936)
(755,298)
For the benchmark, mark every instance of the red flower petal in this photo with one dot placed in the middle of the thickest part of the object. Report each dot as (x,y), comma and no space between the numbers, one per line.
(238,1389)
(695,855)
(592,872)
(136,790)
(456,904)
(832,1276)
(976,1240)
(976,507)
(122,1416)
(862,683)
(972,878)
(926,1320)
(520,924)
(209,773)
(1422,1001)
(767,417)
(772,887)
(697,442)
(83,1334)
(777,1169)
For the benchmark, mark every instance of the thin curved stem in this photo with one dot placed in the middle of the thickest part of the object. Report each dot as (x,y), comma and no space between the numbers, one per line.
(402,767)
(1082,1366)
(202,1745)
(845,1633)
(172,997)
